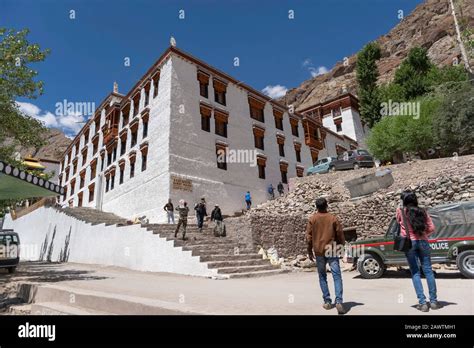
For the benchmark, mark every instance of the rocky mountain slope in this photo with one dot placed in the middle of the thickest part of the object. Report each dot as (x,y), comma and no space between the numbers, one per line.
(56,144)
(430,25)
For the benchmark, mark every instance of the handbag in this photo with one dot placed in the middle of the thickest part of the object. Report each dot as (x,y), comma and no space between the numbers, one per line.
(401,243)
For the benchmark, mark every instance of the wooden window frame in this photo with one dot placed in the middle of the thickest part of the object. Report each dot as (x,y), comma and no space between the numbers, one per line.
(206,113)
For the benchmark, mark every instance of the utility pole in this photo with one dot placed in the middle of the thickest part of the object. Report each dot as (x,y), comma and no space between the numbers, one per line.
(465,57)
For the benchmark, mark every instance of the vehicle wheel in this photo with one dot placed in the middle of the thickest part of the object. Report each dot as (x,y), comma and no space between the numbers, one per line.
(370,266)
(356,166)
(465,263)
(11,270)
(332,169)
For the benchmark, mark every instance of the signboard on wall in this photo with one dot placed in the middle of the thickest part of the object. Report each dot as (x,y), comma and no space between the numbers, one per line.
(181,184)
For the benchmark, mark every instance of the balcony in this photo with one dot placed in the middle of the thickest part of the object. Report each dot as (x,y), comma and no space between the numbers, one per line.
(313,142)
(110,133)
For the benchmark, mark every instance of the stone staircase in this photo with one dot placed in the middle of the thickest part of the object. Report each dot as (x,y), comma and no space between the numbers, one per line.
(231,258)
(94,216)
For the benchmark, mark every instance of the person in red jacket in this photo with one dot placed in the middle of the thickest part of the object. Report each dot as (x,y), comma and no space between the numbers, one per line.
(420,226)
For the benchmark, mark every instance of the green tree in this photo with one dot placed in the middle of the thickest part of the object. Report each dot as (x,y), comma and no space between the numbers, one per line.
(453,124)
(411,74)
(18,79)
(394,135)
(367,75)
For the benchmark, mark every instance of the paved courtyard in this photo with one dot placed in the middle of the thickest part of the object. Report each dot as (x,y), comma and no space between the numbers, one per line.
(292,293)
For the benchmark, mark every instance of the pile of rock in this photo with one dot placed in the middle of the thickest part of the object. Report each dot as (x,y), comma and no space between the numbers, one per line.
(299,262)
(281,223)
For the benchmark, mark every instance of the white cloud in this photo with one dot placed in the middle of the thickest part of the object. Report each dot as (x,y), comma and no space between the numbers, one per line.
(276,91)
(70,124)
(317,71)
(314,71)
(307,62)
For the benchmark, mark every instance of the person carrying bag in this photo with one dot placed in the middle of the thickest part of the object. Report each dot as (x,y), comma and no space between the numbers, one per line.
(415,227)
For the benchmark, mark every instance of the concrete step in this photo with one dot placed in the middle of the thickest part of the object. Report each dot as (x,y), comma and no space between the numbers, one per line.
(54,308)
(246,269)
(207,241)
(56,299)
(237,263)
(200,252)
(225,257)
(257,274)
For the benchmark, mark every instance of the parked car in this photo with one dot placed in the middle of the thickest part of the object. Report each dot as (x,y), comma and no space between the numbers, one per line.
(451,243)
(321,166)
(353,159)
(9,250)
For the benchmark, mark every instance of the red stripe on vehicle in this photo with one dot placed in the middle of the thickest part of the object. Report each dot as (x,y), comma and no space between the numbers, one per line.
(429,241)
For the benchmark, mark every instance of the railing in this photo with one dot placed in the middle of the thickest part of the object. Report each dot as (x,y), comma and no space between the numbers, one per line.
(22,211)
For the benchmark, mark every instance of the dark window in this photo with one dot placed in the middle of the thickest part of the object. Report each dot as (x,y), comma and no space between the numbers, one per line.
(294,129)
(94,148)
(134,139)
(112,181)
(97,125)
(132,169)
(221,158)
(91,194)
(279,123)
(81,183)
(93,172)
(205,123)
(109,158)
(203,89)
(144,157)
(145,129)
(155,84)
(125,117)
(123,146)
(219,96)
(136,105)
(298,155)
(79,200)
(261,171)
(121,176)
(107,182)
(114,154)
(338,127)
(257,114)
(281,148)
(284,178)
(102,162)
(259,144)
(221,128)
(147,96)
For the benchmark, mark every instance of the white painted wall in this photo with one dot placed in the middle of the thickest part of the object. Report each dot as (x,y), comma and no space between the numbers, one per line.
(193,151)
(147,192)
(131,247)
(351,124)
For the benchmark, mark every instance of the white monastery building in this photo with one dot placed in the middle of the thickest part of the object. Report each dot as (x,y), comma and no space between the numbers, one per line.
(165,139)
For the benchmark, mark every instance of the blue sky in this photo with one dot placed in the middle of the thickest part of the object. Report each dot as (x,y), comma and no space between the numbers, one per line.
(88,52)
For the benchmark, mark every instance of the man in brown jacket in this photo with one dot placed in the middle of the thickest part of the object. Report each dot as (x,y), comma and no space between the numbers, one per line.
(326,239)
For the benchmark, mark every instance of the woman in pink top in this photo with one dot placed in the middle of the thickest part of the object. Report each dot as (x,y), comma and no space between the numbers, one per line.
(420,226)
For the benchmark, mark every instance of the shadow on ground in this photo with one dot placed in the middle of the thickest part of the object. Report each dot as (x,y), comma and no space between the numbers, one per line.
(349,305)
(36,272)
(442,303)
(406,274)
